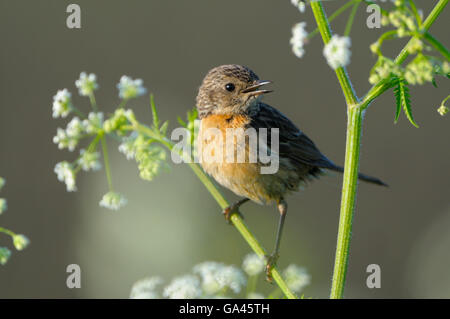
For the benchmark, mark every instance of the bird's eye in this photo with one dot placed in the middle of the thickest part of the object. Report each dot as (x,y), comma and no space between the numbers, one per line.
(229,87)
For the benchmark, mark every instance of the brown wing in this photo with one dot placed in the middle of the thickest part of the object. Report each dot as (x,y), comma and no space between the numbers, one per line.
(294,144)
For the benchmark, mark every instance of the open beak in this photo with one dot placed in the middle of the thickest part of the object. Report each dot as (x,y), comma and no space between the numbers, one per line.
(254,89)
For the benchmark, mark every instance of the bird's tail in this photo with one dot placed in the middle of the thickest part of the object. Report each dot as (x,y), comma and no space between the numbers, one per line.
(361,176)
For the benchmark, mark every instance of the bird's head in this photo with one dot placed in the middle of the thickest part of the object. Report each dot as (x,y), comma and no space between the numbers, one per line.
(229,89)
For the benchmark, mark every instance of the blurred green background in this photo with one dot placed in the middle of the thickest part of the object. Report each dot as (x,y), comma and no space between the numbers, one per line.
(172,223)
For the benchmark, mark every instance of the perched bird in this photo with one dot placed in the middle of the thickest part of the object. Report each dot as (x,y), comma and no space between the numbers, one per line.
(230,98)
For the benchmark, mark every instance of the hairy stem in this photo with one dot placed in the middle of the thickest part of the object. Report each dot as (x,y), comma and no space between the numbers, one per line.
(355,111)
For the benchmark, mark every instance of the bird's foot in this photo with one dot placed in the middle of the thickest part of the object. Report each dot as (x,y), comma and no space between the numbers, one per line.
(229,211)
(270,263)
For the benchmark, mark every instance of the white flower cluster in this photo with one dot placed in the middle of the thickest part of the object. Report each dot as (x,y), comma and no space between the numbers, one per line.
(62,104)
(76,128)
(442,110)
(113,200)
(20,241)
(185,287)
(215,280)
(66,173)
(217,277)
(151,158)
(337,51)
(5,253)
(89,160)
(94,122)
(129,88)
(86,84)
(300,4)
(298,39)
(146,288)
(296,277)
(253,264)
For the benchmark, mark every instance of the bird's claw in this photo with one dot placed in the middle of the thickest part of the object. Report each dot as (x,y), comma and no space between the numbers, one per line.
(229,211)
(271,262)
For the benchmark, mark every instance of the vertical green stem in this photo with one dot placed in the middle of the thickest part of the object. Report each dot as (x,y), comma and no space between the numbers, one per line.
(106,161)
(348,200)
(354,113)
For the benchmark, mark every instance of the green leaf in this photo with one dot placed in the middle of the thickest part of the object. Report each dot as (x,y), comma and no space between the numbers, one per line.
(433,81)
(182,123)
(398,102)
(154,113)
(403,101)
(163,128)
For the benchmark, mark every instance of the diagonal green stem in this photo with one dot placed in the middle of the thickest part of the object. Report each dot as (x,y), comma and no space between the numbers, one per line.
(437,45)
(237,221)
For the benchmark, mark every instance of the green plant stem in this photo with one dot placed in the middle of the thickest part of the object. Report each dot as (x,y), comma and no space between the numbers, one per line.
(334,15)
(355,111)
(237,221)
(106,160)
(93,102)
(7,232)
(349,187)
(437,45)
(348,27)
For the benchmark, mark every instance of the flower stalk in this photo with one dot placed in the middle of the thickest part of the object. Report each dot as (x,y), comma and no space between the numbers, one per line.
(237,221)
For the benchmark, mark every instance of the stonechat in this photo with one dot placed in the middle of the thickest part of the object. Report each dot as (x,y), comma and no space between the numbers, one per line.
(230,98)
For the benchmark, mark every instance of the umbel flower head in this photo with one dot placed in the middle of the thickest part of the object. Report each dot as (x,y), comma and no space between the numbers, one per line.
(20,241)
(213,279)
(113,201)
(5,253)
(146,288)
(129,88)
(298,39)
(301,6)
(253,264)
(62,104)
(86,84)
(337,51)
(185,287)
(66,174)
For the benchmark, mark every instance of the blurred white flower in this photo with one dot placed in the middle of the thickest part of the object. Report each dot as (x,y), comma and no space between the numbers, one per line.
(185,287)
(86,84)
(299,4)
(62,104)
(442,110)
(128,147)
(232,277)
(69,137)
(296,277)
(94,122)
(20,241)
(3,205)
(253,264)
(129,88)
(208,272)
(298,39)
(89,160)
(146,288)
(66,174)
(5,253)
(337,51)
(113,201)
(75,128)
